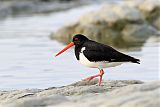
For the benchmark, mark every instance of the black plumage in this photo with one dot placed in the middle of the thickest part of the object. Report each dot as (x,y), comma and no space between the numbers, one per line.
(96,52)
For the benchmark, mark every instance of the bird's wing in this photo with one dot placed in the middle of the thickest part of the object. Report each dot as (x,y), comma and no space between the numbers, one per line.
(101,52)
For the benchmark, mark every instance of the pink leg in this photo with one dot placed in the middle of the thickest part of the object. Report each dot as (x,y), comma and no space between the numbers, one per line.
(101,75)
(94,76)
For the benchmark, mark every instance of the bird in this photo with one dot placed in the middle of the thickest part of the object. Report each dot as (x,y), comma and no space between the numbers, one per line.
(96,55)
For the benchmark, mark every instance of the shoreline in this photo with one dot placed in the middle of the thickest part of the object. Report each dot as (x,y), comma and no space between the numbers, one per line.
(83,93)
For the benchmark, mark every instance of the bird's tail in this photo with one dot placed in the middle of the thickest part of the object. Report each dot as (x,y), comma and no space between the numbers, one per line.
(130,59)
(134,60)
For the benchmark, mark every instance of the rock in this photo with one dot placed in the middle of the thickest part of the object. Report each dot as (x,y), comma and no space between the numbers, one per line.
(151,11)
(156,23)
(138,33)
(39,101)
(108,14)
(112,13)
(128,13)
(90,18)
(134,3)
(112,93)
(153,39)
(120,25)
(149,5)
(149,8)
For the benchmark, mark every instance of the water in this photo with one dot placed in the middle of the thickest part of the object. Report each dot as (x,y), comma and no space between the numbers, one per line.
(27,55)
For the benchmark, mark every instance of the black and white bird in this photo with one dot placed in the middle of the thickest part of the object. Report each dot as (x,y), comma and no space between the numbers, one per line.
(97,55)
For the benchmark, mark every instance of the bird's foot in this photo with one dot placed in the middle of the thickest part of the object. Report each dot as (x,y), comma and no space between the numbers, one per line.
(90,78)
(94,76)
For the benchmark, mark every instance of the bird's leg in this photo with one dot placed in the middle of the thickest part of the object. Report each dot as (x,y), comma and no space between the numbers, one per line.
(101,75)
(94,76)
(91,77)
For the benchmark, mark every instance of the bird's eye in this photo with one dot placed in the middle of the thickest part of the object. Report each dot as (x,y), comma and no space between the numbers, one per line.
(75,38)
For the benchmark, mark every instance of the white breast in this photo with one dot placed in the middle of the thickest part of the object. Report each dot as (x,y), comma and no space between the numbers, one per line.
(101,64)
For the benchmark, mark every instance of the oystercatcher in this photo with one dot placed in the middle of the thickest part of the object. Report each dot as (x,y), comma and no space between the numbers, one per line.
(97,55)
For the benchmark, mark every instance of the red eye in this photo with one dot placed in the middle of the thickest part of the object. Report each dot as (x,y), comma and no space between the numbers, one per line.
(75,38)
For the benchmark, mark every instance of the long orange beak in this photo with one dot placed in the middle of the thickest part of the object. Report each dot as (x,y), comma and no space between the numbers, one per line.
(67,47)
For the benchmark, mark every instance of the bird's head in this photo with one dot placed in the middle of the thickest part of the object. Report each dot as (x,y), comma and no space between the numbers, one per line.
(77,40)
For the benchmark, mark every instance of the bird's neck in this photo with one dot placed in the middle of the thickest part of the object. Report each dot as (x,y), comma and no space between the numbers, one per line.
(77,51)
